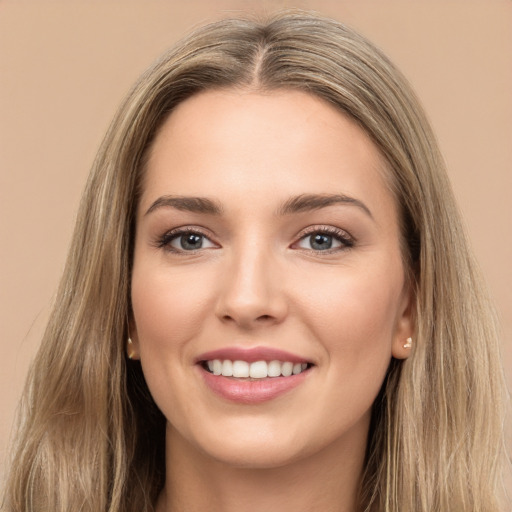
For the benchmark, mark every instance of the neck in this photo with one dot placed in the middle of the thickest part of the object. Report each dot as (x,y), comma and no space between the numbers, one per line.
(327,481)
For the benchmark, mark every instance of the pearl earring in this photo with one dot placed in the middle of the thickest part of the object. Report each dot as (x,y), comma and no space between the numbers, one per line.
(129,349)
(409,343)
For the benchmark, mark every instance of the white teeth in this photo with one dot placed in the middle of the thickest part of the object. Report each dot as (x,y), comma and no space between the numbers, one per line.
(255,370)
(240,369)
(217,367)
(287,369)
(258,370)
(274,369)
(227,368)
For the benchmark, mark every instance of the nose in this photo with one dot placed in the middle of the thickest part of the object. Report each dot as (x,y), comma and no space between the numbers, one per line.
(252,291)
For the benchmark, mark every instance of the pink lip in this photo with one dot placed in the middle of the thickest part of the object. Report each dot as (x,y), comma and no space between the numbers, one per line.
(250,355)
(251,391)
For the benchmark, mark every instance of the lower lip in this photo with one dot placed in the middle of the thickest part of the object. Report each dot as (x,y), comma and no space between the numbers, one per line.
(251,391)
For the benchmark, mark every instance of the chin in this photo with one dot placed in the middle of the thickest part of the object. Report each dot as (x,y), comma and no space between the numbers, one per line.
(257,456)
(256,446)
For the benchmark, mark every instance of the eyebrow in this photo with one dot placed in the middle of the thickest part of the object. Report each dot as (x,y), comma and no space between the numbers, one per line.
(188,204)
(310,202)
(297,204)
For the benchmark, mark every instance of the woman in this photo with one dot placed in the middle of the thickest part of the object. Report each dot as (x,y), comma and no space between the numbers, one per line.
(269,301)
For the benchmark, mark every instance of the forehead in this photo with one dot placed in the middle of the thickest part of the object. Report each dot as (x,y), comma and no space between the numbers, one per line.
(231,142)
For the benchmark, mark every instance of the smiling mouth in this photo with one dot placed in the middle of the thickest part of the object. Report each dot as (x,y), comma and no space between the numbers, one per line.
(256,370)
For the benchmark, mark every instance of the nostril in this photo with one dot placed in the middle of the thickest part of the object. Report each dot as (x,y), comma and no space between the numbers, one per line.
(251,313)
(259,320)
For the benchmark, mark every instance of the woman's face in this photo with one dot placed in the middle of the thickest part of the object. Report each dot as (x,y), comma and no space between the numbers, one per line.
(267,243)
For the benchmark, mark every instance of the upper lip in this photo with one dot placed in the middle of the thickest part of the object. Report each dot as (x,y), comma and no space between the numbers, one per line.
(251,354)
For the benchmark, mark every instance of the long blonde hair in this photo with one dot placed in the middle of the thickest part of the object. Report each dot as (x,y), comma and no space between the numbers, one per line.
(91,437)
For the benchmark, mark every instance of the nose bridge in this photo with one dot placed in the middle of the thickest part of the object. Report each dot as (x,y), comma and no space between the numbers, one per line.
(251,292)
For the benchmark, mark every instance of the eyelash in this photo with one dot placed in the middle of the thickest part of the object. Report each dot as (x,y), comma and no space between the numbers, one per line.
(346,240)
(164,242)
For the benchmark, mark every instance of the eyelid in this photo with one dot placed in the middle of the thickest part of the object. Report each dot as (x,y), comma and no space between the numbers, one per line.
(163,241)
(344,237)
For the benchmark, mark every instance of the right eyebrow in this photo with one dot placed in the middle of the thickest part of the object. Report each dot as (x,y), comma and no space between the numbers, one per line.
(188,204)
(310,202)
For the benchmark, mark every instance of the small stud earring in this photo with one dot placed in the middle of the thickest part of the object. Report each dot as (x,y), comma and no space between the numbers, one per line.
(409,343)
(129,350)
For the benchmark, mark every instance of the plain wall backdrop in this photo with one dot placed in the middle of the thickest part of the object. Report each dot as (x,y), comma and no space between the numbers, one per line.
(65,65)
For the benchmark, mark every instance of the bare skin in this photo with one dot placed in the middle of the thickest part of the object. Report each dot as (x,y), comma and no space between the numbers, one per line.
(266,223)
(221,487)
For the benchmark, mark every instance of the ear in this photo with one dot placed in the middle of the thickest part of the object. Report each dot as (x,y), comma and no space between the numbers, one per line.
(405,323)
(132,343)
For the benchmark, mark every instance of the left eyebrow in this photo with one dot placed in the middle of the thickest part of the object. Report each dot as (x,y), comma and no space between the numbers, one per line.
(310,202)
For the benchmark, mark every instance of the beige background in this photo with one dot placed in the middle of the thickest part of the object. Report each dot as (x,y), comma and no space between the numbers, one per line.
(64,67)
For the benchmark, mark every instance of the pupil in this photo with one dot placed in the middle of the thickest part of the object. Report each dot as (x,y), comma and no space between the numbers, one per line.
(191,241)
(321,242)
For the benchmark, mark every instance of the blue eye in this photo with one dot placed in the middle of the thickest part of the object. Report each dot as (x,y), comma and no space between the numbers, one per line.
(325,240)
(321,242)
(185,241)
(188,242)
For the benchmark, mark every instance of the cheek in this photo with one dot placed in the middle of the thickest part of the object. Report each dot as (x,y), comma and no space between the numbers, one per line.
(168,311)
(355,316)
(167,307)
(357,306)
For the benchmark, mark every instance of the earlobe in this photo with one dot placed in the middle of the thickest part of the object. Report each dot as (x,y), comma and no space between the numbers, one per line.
(132,343)
(402,348)
(403,341)
(130,350)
